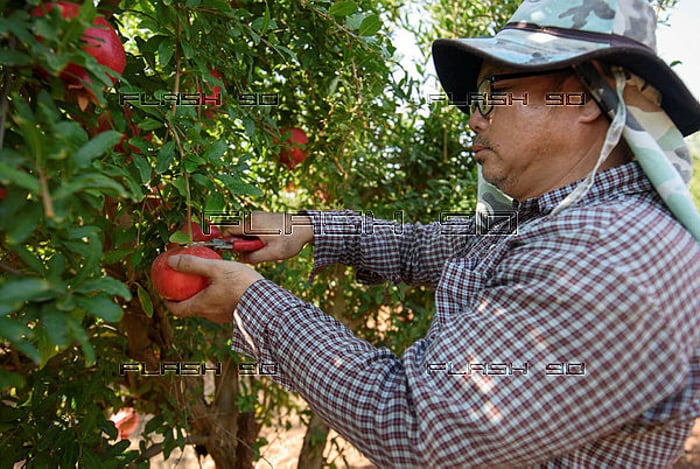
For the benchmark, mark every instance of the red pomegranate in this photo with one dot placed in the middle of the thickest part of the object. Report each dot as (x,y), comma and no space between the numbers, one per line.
(102,42)
(292,153)
(178,286)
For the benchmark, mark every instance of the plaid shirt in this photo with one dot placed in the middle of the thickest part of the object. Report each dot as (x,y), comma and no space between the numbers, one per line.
(557,341)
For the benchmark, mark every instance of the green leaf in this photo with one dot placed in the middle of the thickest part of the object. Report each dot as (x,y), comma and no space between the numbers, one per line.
(55,266)
(23,226)
(192,162)
(81,336)
(333,85)
(187,50)
(116,255)
(215,151)
(285,52)
(154,424)
(147,48)
(118,449)
(13,330)
(101,307)
(343,8)
(215,202)
(150,124)
(169,444)
(14,58)
(87,12)
(165,52)
(71,136)
(202,180)
(110,429)
(370,26)
(9,175)
(17,334)
(89,459)
(217,5)
(66,303)
(56,63)
(16,292)
(9,380)
(180,237)
(145,300)
(89,181)
(165,157)
(142,166)
(56,327)
(15,24)
(236,186)
(354,21)
(96,147)
(106,285)
(83,231)
(92,253)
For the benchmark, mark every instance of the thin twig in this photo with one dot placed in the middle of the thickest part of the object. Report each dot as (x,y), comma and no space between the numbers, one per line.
(158,447)
(4,94)
(10,270)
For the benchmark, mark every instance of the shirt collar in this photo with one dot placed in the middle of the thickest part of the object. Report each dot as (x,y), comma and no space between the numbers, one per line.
(625,179)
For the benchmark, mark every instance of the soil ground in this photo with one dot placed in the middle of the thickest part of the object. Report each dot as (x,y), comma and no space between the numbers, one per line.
(283,450)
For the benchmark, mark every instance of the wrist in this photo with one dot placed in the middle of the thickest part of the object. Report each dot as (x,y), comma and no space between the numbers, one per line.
(306,227)
(308,233)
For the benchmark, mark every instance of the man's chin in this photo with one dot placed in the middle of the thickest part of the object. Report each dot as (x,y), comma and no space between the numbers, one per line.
(495,180)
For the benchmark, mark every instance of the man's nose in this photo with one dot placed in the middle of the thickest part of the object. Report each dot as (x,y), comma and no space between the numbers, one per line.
(477,122)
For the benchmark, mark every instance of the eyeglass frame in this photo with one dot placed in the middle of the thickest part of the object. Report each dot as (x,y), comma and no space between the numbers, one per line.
(491,79)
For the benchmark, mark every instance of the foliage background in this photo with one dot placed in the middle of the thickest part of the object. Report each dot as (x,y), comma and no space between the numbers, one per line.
(83,220)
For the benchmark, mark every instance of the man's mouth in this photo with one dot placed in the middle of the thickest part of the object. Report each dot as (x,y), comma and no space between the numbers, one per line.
(477,149)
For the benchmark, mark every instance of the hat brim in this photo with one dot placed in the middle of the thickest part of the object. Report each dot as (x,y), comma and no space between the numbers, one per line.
(458,61)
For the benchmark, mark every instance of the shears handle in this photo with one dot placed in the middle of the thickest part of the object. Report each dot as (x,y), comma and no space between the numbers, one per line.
(244,244)
(232,243)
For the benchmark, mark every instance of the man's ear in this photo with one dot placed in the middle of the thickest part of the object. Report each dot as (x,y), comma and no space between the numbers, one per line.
(590,111)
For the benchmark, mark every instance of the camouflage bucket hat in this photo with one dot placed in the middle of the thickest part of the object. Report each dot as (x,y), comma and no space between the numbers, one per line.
(551,34)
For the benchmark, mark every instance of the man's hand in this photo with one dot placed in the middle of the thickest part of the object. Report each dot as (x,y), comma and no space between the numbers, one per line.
(284,235)
(229,280)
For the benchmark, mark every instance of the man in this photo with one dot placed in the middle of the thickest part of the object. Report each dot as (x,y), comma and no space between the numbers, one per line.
(566,334)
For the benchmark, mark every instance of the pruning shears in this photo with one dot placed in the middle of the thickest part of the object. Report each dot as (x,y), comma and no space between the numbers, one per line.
(232,243)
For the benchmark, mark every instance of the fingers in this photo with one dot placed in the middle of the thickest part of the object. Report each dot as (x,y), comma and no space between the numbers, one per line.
(193,264)
(208,304)
(192,307)
(275,249)
(182,309)
(187,308)
(256,257)
(229,280)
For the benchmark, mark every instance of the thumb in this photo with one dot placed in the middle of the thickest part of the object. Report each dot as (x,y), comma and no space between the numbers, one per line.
(192,264)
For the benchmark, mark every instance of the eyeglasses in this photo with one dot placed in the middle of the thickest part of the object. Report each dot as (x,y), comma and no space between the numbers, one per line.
(483,101)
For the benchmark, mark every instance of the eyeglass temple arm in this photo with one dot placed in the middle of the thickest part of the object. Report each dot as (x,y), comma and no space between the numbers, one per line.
(602,92)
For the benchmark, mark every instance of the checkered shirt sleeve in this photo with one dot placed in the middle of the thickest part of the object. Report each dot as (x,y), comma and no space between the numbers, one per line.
(570,342)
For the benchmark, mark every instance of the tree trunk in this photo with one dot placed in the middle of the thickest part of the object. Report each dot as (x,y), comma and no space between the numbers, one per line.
(248,429)
(311,454)
(223,439)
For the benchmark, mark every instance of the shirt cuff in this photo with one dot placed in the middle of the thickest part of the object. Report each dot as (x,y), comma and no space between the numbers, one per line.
(255,314)
(336,237)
